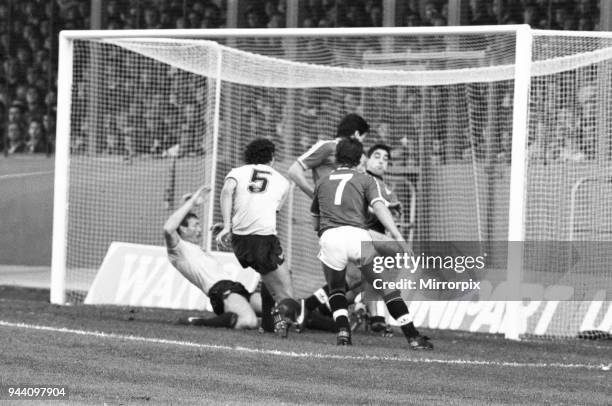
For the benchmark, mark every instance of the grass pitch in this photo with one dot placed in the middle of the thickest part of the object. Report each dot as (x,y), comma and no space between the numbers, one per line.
(135,356)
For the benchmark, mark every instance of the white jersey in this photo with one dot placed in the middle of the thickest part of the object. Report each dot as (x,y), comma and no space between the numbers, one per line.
(259,194)
(197,266)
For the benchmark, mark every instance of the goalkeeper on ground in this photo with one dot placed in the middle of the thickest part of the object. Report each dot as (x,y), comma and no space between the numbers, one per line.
(234,305)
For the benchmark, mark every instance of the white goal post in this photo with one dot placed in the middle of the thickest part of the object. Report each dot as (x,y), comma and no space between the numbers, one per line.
(473,114)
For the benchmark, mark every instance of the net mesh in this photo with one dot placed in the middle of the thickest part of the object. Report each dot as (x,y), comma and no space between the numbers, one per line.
(143,124)
(568,175)
(128,115)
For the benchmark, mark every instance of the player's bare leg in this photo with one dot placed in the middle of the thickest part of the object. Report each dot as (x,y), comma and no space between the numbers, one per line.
(353,281)
(255,302)
(236,303)
(278,283)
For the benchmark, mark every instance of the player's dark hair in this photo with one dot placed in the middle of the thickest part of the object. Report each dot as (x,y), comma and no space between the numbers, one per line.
(349,152)
(351,123)
(384,147)
(259,151)
(185,221)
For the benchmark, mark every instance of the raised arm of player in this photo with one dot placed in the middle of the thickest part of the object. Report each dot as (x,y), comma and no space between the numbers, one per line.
(298,174)
(227,200)
(379,205)
(174,221)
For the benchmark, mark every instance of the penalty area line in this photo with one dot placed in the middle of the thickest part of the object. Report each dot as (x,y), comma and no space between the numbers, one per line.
(293,354)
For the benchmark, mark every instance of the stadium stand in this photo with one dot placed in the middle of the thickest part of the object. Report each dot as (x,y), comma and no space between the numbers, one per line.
(28,54)
(152,14)
(28,49)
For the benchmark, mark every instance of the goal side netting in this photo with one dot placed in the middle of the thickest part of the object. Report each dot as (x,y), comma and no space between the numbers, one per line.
(153,117)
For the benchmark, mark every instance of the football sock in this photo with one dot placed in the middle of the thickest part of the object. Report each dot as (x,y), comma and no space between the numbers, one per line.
(410,330)
(399,311)
(267,304)
(319,299)
(317,321)
(324,310)
(339,308)
(223,320)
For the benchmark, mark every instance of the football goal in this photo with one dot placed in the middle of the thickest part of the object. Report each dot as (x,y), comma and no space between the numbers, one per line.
(490,128)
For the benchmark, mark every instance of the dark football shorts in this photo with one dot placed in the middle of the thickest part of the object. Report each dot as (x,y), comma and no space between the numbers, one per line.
(263,253)
(222,289)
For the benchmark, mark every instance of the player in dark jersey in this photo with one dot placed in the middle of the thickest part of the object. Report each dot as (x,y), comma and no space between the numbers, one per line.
(379,156)
(320,159)
(340,206)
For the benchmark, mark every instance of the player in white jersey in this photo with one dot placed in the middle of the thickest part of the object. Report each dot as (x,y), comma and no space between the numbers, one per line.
(234,305)
(250,199)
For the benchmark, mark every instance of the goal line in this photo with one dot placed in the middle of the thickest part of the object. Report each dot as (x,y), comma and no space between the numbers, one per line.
(296,354)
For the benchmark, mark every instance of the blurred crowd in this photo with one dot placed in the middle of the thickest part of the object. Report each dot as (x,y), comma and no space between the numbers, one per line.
(137,111)
(580,15)
(28,69)
(164,123)
(163,14)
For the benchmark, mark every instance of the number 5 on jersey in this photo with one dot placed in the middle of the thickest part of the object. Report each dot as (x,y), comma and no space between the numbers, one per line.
(259,181)
(343,178)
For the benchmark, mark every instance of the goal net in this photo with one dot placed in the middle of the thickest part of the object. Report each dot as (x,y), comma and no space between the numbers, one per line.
(149,116)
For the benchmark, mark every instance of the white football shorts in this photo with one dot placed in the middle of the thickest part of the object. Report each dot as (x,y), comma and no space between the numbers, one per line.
(341,245)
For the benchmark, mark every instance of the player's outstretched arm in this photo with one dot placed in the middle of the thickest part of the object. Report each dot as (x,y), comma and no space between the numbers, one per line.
(175,219)
(386,218)
(298,175)
(227,199)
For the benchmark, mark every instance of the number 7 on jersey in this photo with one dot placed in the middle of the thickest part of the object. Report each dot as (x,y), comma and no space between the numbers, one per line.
(343,178)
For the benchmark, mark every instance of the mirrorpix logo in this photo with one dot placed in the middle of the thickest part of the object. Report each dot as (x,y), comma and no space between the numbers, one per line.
(427,285)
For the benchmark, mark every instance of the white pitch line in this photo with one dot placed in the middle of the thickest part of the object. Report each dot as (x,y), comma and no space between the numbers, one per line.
(24,175)
(293,354)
